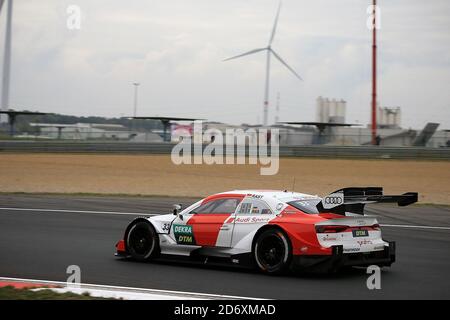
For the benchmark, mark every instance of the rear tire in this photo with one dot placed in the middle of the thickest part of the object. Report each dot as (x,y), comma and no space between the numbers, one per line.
(142,241)
(272,251)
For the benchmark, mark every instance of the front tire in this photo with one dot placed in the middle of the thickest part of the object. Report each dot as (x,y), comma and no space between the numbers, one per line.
(272,251)
(142,241)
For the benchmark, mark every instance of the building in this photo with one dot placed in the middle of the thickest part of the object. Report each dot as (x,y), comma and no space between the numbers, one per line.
(330,110)
(389,118)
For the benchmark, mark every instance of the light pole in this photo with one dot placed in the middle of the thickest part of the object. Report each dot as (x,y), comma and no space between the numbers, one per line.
(136,86)
(374,74)
(4,104)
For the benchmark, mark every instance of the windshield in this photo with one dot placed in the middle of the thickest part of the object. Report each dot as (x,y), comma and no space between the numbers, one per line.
(306,206)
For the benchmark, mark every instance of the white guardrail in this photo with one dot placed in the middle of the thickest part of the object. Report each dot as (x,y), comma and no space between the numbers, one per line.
(285,151)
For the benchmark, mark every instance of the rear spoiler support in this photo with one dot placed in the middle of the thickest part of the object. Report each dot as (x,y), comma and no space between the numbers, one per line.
(354,199)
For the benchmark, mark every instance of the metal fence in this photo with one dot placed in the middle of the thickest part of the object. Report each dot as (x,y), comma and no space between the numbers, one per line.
(372,152)
(287,138)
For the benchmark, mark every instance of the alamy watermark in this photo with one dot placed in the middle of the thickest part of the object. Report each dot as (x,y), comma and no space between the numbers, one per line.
(73,21)
(374,280)
(74,279)
(234,146)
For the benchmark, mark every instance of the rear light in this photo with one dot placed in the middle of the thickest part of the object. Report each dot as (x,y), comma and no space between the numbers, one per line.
(376,227)
(331,229)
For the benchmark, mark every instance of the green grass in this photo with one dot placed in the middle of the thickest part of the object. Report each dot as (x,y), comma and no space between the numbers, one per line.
(11,293)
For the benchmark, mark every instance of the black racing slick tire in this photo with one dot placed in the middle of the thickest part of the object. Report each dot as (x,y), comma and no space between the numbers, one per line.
(142,241)
(272,251)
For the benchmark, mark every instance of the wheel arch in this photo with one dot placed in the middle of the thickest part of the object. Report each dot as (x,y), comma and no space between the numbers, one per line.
(133,222)
(284,265)
(271,227)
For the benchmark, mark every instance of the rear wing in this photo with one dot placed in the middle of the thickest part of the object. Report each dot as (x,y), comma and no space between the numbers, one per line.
(354,199)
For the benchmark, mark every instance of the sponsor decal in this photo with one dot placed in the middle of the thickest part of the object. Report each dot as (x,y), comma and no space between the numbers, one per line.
(352,250)
(183,234)
(333,200)
(329,239)
(252,219)
(360,233)
(360,222)
(364,242)
(279,206)
(246,207)
(256,196)
(255,210)
(289,210)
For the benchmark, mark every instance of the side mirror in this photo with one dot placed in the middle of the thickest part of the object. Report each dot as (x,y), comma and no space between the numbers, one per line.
(176,209)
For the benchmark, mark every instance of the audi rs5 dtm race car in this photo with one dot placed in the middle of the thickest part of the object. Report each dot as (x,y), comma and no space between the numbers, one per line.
(272,230)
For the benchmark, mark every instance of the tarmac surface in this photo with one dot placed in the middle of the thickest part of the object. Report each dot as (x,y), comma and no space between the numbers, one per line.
(41,235)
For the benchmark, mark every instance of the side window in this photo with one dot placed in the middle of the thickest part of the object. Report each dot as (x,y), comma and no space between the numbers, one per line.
(218,206)
(254,207)
(227,206)
(204,208)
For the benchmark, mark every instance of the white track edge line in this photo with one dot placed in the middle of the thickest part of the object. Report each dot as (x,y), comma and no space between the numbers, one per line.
(119,288)
(414,227)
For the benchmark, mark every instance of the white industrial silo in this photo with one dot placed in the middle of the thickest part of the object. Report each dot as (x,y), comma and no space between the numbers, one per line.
(386,116)
(398,117)
(391,117)
(319,109)
(342,104)
(333,108)
(336,111)
(380,116)
(326,110)
(330,110)
(341,111)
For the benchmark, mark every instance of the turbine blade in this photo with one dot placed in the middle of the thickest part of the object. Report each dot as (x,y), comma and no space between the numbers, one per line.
(274,30)
(246,54)
(286,65)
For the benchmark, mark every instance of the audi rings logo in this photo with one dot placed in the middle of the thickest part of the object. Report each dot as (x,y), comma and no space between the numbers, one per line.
(333,200)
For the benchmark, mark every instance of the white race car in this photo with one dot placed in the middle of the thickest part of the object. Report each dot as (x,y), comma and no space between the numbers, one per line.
(272,230)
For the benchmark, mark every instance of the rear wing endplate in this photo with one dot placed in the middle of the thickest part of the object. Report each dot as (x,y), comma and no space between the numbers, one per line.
(354,199)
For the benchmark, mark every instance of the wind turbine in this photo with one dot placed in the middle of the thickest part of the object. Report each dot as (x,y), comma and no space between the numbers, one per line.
(269,52)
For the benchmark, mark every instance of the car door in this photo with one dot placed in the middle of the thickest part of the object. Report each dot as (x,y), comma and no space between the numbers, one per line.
(208,221)
(250,215)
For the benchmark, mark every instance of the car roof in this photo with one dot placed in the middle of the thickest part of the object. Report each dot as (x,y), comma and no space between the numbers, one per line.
(273,195)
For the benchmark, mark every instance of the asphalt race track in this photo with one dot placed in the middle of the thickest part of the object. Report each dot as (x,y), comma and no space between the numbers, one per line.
(60,231)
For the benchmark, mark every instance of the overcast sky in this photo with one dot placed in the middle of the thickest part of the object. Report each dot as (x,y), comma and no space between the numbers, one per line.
(175,49)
